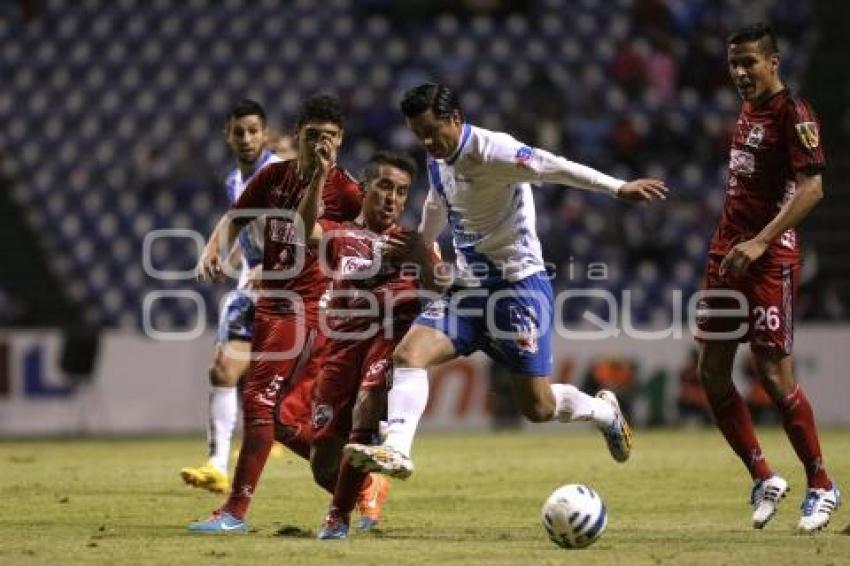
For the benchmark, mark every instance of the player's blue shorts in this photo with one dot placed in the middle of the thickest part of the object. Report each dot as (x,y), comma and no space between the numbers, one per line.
(236,321)
(511,322)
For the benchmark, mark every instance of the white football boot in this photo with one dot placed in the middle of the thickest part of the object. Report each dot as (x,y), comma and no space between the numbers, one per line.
(817,508)
(618,434)
(380,458)
(764,498)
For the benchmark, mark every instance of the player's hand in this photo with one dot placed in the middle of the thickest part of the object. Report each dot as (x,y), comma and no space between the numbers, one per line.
(740,257)
(325,153)
(643,190)
(209,266)
(399,245)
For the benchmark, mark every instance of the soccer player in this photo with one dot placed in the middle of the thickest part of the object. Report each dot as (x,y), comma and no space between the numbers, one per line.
(501,302)
(375,264)
(246,133)
(774,182)
(276,390)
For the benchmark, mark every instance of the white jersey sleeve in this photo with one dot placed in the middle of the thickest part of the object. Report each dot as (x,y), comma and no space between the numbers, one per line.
(434,216)
(520,163)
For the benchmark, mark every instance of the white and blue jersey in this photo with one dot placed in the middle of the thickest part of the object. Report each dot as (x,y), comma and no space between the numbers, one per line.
(236,319)
(483,192)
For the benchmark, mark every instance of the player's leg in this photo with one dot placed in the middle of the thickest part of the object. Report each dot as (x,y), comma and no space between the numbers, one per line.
(426,344)
(716,360)
(775,370)
(354,486)
(333,400)
(772,346)
(230,362)
(347,406)
(542,401)
(279,346)
(724,319)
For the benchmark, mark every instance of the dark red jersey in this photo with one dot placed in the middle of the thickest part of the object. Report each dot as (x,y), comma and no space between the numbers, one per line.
(278,187)
(388,288)
(772,143)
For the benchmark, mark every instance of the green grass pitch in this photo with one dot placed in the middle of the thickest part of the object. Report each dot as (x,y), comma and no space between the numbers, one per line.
(474,499)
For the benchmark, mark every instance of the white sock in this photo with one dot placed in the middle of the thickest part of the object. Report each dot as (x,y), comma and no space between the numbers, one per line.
(571,404)
(406,402)
(223,409)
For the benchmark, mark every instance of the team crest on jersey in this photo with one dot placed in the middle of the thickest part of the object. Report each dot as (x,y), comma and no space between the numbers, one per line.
(322,414)
(523,156)
(808,134)
(756,136)
(435,310)
(282,231)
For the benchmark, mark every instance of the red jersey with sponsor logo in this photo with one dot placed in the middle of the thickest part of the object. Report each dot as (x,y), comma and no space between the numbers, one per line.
(772,143)
(289,265)
(386,289)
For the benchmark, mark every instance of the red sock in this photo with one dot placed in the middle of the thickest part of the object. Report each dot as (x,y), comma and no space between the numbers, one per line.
(799,422)
(735,422)
(351,481)
(257,440)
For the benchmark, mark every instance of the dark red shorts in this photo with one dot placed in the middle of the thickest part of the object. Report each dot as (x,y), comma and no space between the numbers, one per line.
(280,381)
(765,297)
(348,368)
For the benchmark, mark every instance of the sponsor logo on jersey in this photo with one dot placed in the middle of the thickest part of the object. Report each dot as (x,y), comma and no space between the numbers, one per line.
(756,136)
(349,265)
(742,162)
(808,134)
(282,231)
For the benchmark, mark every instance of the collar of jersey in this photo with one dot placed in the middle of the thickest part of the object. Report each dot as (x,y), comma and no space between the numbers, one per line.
(465,134)
(264,158)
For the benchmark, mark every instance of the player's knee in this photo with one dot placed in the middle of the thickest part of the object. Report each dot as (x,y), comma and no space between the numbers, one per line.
(406,357)
(324,466)
(711,375)
(218,376)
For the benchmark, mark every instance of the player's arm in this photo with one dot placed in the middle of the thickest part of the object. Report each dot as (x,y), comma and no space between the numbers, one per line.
(434,217)
(413,248)
(308,208)
(234,258)
(808,193)
(224,235)
(523,163)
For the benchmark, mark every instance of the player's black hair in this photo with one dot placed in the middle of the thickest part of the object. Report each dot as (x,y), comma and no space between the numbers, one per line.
(247,107)
(436,97)
(387,157)
(761,32)
(321,107)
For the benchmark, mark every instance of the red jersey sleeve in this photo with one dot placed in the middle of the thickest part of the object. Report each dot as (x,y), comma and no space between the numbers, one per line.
(329,245)
(351,197)
(802,134)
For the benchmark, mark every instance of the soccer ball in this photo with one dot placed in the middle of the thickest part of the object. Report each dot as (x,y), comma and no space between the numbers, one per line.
(574,516)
